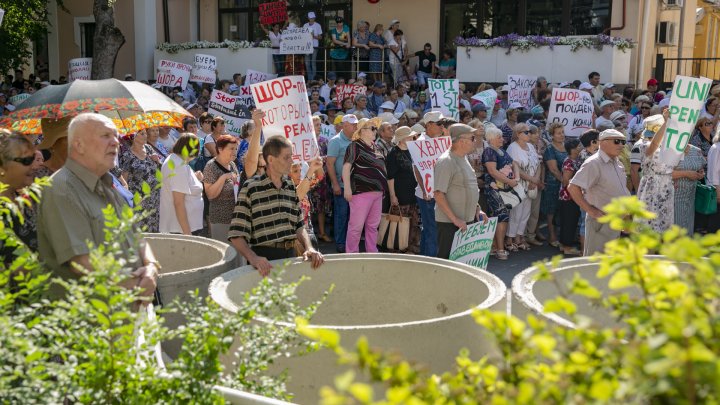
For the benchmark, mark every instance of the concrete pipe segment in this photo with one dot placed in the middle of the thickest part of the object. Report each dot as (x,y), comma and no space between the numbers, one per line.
(418,306)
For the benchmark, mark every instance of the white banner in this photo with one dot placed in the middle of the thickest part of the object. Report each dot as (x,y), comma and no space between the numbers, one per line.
(173,74)
(686,104)
(287,112)
(253,76)
(473,246)
(445,97)
(232,108)
(521,89)
(573,108)
(79,69)
(203,70)
(295,41)
(487,97)
(424,154)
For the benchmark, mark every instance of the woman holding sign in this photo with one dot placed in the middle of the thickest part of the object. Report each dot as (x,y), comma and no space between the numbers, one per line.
(656,189)
(222,181)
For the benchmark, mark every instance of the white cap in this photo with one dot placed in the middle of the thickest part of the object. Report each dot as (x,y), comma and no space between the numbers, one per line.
(610,134)
(586,86)
(505,88)
(564,84)
(361,74)
(608,86)
(389,105)
(616,115)
(606,103)
(388,117)
(393,22)
(350,118)
(432,116)
(311,15)
(515,105)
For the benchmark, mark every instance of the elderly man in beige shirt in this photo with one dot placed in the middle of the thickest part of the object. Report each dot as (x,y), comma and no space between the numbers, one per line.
(600,179)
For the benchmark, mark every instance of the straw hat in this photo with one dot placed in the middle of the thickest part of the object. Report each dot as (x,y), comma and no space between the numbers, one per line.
(374,122)
(53,130)
(402,133)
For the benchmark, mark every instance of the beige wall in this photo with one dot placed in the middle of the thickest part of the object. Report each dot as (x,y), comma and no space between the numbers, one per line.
(179,17)
(419,19)
(208,20)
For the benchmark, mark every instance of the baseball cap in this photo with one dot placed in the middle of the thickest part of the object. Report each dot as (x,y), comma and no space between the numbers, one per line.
(652,82)
(387,105)
(606,103)
(617,115)
(564,84)
(608,86)
(331,76)
(459,129)
(505,88)
(379,84)
(350,118)
(432,116)
(479,107)
(418,128)
(393,22)
(128,75)
(586,86)
(311,15)
(515,105)
(611,134)
(388,117)
(642,98)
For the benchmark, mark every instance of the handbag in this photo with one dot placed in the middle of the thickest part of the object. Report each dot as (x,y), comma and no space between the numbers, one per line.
(394,231)
(705,198)
(513,197)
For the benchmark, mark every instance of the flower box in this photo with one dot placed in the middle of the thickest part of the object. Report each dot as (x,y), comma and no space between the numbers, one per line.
(229,61)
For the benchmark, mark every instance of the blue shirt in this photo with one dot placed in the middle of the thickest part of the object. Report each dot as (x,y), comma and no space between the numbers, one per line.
(336,148)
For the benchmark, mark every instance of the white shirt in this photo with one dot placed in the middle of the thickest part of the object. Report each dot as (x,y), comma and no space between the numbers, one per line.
(274,41)
(325,92)
(315,30)
(180,179)
(168,142)
(713,159)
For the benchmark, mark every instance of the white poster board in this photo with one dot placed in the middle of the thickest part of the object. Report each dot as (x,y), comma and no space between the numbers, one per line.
(328,131)
(203,70)
(686,105)
(253,76)
(445,97)
(473,246)
(79,69)
(296,41)
(231,108)
(424,153)
(521,89)
(573,108)
(173,74)
(287,113)
(487,97)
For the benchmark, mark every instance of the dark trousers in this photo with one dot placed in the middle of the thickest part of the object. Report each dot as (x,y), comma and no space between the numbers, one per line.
(569,215)
(445,235)
(272,253)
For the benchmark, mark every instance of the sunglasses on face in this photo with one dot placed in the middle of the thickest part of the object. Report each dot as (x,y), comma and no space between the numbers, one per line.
(207,122)
(618,141)
(524,132)
(25,161)
(644,108)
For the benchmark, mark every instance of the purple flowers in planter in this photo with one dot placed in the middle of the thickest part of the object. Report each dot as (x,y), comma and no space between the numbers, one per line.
(524,43)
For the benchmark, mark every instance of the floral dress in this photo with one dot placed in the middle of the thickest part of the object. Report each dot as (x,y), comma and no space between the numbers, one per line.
(376,55)
(139,171)
(657,190)
(320,198)
(685,189)
(503,164)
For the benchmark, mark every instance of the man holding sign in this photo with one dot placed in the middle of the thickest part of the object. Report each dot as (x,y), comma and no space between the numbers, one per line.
(456,189)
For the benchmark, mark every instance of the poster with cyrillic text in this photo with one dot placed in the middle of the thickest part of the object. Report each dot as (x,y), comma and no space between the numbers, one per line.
(686,105)
(328,131)
(296,41)
(173,74)
(473,246)
(486,97)
(273,12)
(79,69)
(342,91)
(424,154)
(253,76)
(287,113)
(203,70)
(231,108)
(573,108)
(521,89)
(445,97)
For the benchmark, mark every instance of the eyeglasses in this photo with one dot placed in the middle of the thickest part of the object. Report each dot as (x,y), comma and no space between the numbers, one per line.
(206,122)
(644,108)
(371,128)
(618,141)
(25,161)
(524,132)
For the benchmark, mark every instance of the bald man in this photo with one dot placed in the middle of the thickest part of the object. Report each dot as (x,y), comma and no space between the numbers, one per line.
(71,209)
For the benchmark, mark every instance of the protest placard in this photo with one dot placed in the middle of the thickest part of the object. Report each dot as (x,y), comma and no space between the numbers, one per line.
(253,76)
(473,246)
(296,41)
(342,91)
(173,74)
(487,97)
(328,131)
(287,112)
(273,12)
(445,97)
(573,108)
(424,154)
(686,104)
(79,69)
(203,70)
(231,108)
(18,99)
(245,97)
(521,89)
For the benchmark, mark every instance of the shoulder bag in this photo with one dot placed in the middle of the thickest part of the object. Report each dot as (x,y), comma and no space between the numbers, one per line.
(705,198)
(394,231)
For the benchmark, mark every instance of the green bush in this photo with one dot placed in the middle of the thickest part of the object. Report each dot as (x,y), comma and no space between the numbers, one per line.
(664,351)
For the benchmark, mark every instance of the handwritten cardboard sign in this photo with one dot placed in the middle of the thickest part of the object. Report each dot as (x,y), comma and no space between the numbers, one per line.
(473,246)
(686,104)
(203,70)
(425,153)
(231,108)
(487,97)
(253,76)
(273,12)
(173,74)
(287,113)
(445,97)
(296,41)
(573,108)
(16,100)
(79,69)
(328,131)
(342,91)
(521,89)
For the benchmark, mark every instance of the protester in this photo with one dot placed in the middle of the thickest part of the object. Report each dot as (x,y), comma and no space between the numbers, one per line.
(711,110)
(569,211)
(71,209)
(138,164)
(499,175)
(321,195)
(539,145)
(402,183)
(384,142)
(304,178)
(511,120)
(365,180)
(447,66)
(166,137)
(397,55)
(340,37)
(221,179)
(153,135)
(456,189)
(217,128)
(554,156)
(685,177)
(635,126)
(703,134)
(181,201)
(54,141)
(261,238)
(426,65)
(361,44)
(335,160)
(311,59)
(377,45)
(528,174)
(428,237)
(600,179)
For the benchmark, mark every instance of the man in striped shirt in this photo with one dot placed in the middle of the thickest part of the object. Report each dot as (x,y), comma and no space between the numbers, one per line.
(267,219)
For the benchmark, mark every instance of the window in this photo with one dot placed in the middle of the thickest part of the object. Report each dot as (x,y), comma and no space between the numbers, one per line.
(87,39)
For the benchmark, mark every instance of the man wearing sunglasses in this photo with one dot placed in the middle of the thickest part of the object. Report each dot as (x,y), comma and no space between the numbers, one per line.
(600,179)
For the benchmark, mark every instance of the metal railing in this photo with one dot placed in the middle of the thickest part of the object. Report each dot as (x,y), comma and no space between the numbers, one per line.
(347,68)
(667,68)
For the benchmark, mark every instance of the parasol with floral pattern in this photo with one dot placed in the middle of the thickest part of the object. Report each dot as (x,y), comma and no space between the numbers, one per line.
(131,105)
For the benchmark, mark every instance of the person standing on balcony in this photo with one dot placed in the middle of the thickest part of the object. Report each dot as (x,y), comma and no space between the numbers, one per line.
(426,66)
(597,89)
(311,59)
(340,35)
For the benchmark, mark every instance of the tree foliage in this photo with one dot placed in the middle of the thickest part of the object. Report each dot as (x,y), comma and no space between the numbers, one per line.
(24,21)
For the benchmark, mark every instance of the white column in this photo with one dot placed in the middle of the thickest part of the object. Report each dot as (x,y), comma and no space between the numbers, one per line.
(145,38)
